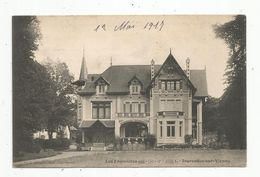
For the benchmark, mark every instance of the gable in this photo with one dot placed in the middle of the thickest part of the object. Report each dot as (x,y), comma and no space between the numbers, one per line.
(172,69)
(135,81)
(101,81)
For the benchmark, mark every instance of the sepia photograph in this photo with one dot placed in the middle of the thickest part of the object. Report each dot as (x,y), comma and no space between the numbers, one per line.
(129,91)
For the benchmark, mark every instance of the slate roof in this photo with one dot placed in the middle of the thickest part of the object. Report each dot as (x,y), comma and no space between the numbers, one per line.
(119,75)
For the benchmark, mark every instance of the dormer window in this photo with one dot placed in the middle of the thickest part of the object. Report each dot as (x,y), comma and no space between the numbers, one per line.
(135,85)
(101,89)
(136,89)
(101,85)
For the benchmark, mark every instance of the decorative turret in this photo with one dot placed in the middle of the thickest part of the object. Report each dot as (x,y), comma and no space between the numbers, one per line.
(152,69)
(83,76)
(188,67)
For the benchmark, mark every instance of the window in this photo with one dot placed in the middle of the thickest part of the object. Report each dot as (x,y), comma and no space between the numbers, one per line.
(135,89)
(101,89)
(161,129)
(180,128)
(170,128)
(163,85)
(177,85)
(127,107)
(142,107)
(170,85)
(135,107)
(101,110)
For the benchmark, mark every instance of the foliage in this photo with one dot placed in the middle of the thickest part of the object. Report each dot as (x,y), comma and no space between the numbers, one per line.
(150,140)
(31,83)
(57,144)
(188,139)
(233,101)
(39,99)
(62,105)
(211,115)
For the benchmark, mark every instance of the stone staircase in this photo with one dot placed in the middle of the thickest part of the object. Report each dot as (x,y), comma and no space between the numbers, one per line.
(98,147)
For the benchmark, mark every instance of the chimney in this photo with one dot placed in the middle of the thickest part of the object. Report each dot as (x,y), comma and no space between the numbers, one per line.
(188,67)
(152,69)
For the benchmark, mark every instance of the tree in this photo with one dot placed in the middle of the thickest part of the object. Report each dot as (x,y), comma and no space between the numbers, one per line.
(233,101)
(31,83)
(62,105)
(211,115)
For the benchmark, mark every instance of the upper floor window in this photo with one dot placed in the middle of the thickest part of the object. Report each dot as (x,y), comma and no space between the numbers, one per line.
(101,85)
(135,89)
(170,85)
(101,89)
(134,107)
(101,110)
(135,85)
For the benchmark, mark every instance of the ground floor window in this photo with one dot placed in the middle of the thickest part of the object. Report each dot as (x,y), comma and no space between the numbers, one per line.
(180,128)
(170,128)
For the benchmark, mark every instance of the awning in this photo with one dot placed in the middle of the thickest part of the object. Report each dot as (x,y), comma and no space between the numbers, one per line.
(108,123)
(89,123)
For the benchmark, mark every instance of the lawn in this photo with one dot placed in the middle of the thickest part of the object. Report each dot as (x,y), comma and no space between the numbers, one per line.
(175,158)
(30,156)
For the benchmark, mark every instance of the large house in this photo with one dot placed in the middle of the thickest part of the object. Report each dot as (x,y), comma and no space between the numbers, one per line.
(133,101)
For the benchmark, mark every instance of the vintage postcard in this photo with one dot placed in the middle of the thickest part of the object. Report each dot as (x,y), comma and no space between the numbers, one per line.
(129,91)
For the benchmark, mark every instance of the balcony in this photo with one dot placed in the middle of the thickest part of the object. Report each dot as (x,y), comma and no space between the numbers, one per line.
(170,113)
(133,115)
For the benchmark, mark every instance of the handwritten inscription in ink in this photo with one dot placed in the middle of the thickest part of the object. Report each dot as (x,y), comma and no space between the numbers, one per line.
(128,26)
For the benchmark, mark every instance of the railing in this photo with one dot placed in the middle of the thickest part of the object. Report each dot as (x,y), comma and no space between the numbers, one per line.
(170,113)
(132,114)
(133,140)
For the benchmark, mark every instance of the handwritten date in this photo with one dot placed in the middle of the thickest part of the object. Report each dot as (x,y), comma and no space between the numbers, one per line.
(128,25)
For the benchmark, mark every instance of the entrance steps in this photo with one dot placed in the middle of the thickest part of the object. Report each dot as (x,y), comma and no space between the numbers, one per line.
(98,147)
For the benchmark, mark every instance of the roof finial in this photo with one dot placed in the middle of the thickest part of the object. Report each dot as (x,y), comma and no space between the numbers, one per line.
(111,61)
(170,50)
(83,51)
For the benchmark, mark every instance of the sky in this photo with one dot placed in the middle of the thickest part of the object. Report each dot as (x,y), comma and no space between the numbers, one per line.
(135,40)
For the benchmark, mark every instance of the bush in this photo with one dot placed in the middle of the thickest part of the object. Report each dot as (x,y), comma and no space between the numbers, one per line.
(78,137)
(35,148)
(188,139)
(150,140)
(57,144)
